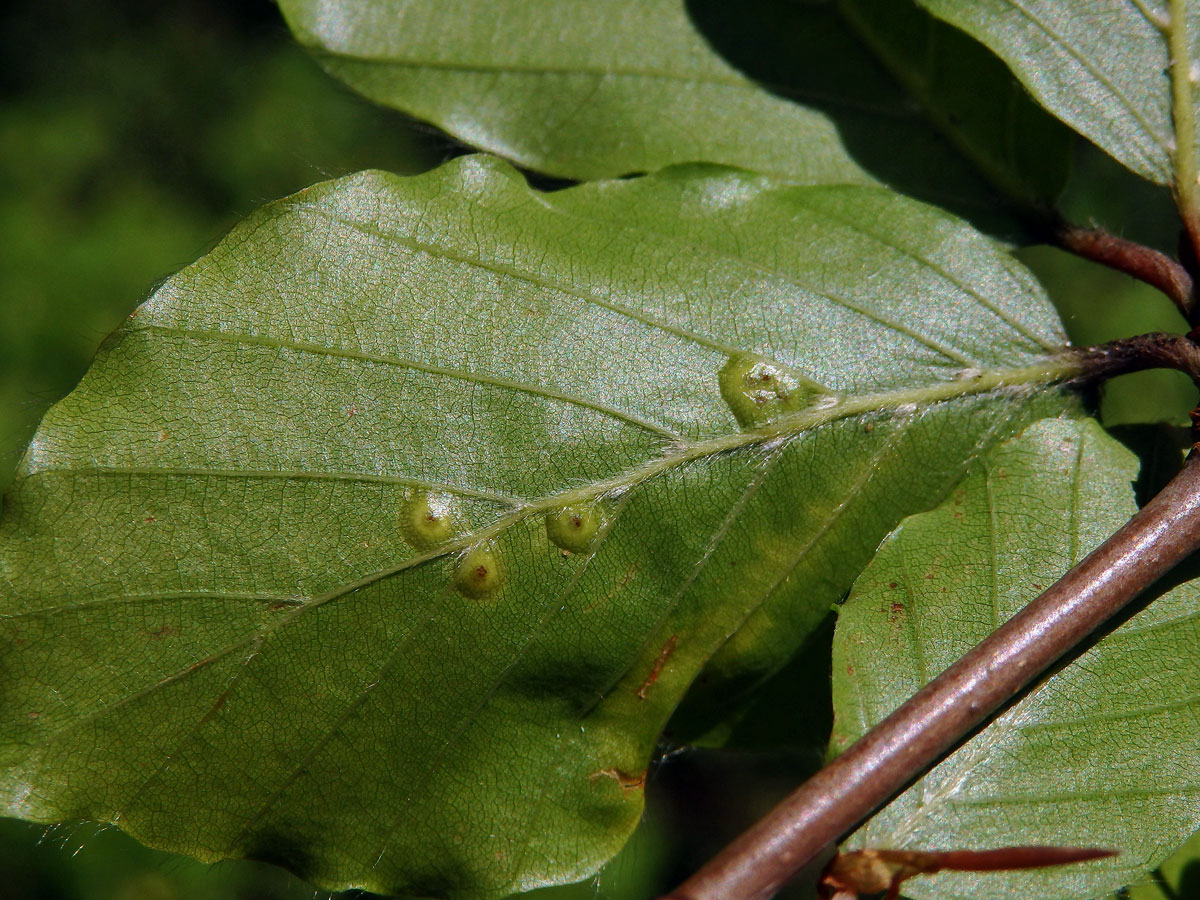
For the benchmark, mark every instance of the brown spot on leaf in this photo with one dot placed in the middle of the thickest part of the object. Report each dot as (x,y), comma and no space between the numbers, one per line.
(216,707)
(627,781)
(663,655)
(630,572)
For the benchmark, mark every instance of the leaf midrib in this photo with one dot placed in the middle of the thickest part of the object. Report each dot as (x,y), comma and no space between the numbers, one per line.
(1052,370)
(980,748)
(420,782)
(731,78)
(1183,153)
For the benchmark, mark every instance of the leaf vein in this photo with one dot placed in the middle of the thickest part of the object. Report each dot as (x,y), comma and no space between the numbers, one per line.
(703,253)
(284,474)
(1134,110)
(1186,703)
(277,343)
(891,243)
(787,426)
(731,79)
(164,597)
(1080,796)
(498,268)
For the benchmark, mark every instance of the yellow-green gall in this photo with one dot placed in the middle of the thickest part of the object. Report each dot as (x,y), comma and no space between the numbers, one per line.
(428,520)
(758,391)
(479,571)
(575,528)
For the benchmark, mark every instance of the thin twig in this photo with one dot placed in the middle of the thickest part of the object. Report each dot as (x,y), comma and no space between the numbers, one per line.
(1143,263)
(858,872)
(1156,350)
(915,736)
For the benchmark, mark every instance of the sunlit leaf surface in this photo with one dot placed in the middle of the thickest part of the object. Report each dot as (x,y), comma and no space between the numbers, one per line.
(853,91)
(382,541)
(1102,66)
(1104,753)
(577,89)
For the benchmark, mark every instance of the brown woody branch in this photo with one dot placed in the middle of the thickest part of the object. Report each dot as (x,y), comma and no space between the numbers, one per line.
(913,738)
(1142,262)
(1144,351)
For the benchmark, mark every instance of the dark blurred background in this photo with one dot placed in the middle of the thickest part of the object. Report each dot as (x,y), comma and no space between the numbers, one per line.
(133,135)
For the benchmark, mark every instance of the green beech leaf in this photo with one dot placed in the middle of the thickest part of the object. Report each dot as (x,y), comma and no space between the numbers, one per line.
(289,574)
(801,91)
(967,96)
(1102,66)
(579,90)
(1103,753)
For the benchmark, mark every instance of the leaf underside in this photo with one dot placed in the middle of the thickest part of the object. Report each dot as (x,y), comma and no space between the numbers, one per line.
(799,91)
(1102,66)
(574,89)
(1104,752)
(277,579)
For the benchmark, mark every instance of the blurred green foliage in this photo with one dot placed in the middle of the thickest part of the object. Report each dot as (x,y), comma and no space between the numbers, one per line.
(133,134)
(1176,879)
